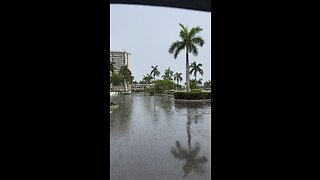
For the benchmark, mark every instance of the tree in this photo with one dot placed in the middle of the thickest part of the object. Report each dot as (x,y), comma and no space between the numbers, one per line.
(196,68)
(116,80)
(125,73)
(131,81)
(193,84)
(207,84)
(112,67)
(147,79)
(163,85)
(154,72)
(189,42)
(177,77)
(167,74)
(193,162)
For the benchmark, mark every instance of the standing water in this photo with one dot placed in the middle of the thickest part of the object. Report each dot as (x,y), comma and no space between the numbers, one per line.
(153,137)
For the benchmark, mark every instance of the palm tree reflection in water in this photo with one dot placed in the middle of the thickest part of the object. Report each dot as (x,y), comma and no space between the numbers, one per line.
(190,155)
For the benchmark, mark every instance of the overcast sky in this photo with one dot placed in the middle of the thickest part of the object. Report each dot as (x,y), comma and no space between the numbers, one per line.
(147,33)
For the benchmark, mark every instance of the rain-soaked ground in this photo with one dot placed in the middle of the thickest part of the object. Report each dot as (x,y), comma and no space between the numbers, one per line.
(153,137)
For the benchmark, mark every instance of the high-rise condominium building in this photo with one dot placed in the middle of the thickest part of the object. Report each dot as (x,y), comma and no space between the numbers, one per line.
(120,59)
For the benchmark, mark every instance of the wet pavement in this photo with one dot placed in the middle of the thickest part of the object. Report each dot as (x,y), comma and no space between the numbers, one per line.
(153,137)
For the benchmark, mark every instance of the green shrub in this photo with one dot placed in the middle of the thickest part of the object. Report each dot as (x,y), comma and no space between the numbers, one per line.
(159,91)
(192,95)
(196,90)
(207,95)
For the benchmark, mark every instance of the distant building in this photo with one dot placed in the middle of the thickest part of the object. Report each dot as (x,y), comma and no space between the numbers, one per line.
(120,59)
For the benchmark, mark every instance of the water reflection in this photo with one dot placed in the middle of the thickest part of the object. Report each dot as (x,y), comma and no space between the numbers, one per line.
(120,117)
(143,134)
(192,162)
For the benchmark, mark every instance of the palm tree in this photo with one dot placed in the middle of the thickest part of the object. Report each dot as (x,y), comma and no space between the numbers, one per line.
(177,77)
(168,74)
(149,76)
(125,73)
(196,68)
(116,80)
(190,155)
(112,67)
(154,72)
(207,84)
(189,40)
(147,79)
(131,82)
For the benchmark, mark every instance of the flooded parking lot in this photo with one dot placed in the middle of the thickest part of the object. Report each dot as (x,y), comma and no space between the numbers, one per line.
(153,137)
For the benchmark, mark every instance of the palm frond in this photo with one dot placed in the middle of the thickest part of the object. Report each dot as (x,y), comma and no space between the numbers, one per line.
(194,31)
(174,46)
(194,50)
(184,31)
(178,50)
(198,41)
(200,71)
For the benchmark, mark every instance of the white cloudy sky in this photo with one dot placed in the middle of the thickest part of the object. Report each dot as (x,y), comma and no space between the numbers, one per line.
(147,32)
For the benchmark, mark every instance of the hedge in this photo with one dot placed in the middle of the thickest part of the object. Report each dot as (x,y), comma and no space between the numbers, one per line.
(192,95)
(196,90)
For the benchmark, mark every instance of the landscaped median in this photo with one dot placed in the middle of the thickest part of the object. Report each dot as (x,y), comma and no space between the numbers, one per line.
(192,95)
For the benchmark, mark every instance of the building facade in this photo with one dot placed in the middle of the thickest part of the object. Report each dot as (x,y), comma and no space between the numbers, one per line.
(120,58)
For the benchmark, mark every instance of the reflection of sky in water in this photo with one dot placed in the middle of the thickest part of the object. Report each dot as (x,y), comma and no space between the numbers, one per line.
(144,132)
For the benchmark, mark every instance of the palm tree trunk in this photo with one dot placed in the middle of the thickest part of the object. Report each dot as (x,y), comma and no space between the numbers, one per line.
(125,86)
(187,71)
(188,129)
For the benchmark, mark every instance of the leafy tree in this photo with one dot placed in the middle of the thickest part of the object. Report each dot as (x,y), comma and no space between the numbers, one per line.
(189,42)
(163,85)
(193,84)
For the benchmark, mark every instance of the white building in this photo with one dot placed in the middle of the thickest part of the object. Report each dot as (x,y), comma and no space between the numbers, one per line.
(120,59)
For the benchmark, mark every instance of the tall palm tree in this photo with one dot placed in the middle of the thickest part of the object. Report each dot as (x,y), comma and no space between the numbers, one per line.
(125,73)
(189,42)
(177,77)
(196,68)
(154,72)
(190,155)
